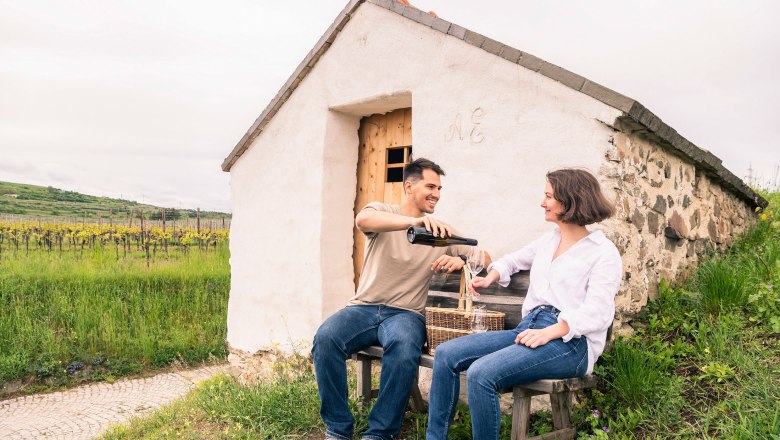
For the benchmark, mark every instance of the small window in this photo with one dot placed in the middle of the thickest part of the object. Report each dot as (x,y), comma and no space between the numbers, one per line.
(396,159)
(395,174)
(395,155)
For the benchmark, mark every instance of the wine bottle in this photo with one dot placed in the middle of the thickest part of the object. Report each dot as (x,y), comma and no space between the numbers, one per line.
(420,235)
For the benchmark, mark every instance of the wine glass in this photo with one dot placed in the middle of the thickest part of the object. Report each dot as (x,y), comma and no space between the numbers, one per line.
(479,324)
(475,261)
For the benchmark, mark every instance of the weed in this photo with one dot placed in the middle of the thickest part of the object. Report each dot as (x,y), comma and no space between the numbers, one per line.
(721,286)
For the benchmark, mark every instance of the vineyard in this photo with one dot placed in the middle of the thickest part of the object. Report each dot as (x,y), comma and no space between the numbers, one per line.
(25,237)
(84,302)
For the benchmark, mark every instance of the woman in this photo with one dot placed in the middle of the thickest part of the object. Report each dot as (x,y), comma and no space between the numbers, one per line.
(569,306)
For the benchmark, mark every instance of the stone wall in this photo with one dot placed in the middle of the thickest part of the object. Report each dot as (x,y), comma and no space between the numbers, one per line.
(669,211)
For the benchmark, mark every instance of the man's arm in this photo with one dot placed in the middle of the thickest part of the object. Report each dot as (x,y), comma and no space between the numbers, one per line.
(371,221)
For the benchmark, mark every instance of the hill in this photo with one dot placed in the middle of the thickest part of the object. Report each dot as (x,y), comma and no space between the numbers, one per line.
(46,201)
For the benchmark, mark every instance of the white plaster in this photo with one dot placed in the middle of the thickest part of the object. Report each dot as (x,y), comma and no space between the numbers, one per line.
(293,190)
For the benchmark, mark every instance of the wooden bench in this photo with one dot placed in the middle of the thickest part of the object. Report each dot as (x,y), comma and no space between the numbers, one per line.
(444,293)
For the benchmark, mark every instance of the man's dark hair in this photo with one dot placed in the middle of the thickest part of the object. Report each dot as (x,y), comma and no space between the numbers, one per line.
(580,194)
(414,169)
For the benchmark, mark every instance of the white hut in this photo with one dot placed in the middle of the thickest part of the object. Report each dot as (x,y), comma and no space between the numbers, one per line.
(386,79)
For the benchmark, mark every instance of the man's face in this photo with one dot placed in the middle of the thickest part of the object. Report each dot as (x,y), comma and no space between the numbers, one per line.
(425,192)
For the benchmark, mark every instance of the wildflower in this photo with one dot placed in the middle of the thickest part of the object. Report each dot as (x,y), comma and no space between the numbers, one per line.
(595,414)
(605,429)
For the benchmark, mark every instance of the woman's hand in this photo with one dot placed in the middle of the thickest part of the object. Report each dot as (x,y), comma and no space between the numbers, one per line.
(482,282)
(533,338)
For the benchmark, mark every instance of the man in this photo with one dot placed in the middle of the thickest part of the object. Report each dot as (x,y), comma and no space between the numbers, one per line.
(388,308)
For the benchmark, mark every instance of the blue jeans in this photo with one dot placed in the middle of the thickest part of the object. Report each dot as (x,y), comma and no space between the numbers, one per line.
(400,332)
(494,362)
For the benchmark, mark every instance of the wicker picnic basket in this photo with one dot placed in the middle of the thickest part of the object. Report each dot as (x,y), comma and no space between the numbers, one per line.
(443,324)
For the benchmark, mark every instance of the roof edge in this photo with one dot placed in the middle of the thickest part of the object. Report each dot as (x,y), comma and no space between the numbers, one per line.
(631,108)
(292,83)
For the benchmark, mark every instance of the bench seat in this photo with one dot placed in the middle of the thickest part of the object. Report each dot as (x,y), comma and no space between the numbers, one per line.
(508,300)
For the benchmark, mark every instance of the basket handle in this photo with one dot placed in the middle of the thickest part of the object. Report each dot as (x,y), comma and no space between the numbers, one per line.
(464,301)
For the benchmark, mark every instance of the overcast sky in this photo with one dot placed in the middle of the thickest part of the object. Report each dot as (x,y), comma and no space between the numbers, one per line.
(144,99)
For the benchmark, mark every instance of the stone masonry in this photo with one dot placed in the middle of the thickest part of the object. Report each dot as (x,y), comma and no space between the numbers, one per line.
(669,211)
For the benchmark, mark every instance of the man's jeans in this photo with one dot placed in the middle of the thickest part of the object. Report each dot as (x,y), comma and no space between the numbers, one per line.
(494,362)
(400,332)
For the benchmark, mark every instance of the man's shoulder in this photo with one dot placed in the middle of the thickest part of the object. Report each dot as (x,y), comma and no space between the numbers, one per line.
(383,207)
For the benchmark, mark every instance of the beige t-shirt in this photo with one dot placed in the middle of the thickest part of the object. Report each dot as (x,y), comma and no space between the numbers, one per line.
(395,272)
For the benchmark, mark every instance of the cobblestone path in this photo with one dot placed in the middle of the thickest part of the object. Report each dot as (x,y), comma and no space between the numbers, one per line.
(86,411)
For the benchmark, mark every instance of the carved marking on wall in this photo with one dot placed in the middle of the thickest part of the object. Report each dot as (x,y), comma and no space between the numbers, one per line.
(475,133)
(454,130)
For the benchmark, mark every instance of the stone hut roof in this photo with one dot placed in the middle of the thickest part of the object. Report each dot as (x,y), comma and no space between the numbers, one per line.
(635,118)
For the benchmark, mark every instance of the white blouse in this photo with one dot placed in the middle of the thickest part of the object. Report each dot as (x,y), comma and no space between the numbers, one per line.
(581,283)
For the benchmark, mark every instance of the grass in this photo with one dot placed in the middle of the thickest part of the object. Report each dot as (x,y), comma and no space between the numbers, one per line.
(704,363)
(71,318)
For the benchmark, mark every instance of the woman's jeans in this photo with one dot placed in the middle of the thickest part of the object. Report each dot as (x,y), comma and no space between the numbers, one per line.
(494,362)
(401,334)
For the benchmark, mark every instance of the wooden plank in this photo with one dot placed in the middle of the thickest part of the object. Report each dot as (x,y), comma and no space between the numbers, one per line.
(364,379)
(560,410)
(560,385)
(376,133)
(406,139)
(371,133)
(521,412)
(394,192)
(518,284)
(360,199)
(563,434)
(416,400)
(435,295)
(395,128)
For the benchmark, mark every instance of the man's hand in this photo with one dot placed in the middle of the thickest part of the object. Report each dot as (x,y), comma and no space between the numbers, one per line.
(437,228)
(447,264)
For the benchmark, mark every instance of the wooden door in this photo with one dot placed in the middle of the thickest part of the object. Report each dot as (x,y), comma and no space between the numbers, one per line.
(385,147)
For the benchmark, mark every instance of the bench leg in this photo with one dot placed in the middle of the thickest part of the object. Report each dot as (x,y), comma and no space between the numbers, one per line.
(415,399)
(364,380)
(560,410)
(521,412)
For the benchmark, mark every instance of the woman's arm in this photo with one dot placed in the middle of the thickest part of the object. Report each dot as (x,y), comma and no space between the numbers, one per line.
(516,261)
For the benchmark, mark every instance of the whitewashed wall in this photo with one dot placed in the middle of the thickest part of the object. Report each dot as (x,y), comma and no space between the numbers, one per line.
(495,127)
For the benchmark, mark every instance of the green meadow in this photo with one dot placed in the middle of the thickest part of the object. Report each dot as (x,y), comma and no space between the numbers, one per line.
(82,316)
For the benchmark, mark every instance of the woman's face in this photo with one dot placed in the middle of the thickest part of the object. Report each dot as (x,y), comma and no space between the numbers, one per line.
(552,207)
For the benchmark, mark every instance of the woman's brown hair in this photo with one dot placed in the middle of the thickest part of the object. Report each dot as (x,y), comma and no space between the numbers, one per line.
(580,194)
